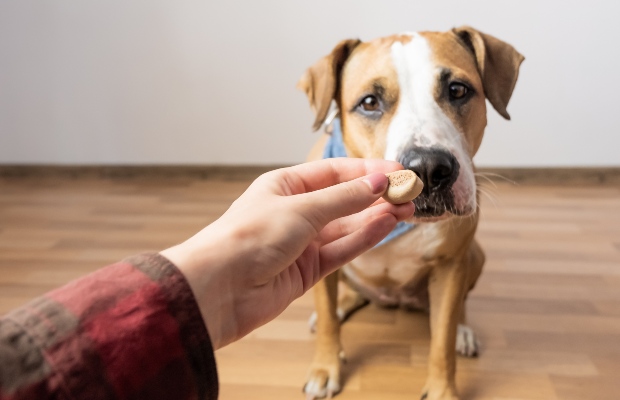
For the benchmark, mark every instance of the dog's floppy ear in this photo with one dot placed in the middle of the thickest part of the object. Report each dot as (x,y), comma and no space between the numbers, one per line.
(498,64)
(321,82)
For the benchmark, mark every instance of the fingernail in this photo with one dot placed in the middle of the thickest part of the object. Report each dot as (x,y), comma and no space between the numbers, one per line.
(377,182)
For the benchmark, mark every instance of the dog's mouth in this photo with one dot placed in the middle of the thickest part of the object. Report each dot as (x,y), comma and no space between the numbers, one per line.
(429,211)
(430,214)
(434,212)
(434,205)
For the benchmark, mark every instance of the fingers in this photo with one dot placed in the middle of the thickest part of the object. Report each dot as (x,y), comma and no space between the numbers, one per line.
(316,175)
(339,252)
(323,206)
(347,225)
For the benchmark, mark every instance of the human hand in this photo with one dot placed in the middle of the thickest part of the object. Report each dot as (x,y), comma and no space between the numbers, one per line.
(291,227)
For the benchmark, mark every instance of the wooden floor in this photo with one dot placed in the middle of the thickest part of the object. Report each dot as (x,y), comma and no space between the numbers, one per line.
(547,308)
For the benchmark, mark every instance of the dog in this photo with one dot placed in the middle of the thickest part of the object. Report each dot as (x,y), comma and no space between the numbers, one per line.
(419,99)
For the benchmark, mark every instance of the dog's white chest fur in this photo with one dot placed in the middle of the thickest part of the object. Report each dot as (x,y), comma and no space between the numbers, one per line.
(393,274)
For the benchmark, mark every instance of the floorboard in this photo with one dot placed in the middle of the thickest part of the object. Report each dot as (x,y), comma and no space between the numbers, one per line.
(547,307)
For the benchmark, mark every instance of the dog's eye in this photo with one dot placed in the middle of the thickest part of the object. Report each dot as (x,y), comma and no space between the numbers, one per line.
(370,103)
(458,91)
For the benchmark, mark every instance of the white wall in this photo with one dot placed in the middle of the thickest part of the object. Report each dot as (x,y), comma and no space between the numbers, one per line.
(213,82)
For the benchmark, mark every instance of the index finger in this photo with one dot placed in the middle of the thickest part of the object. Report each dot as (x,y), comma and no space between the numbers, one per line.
(315,175)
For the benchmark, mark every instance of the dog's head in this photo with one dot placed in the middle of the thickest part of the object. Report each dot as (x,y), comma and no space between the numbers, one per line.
(418,99)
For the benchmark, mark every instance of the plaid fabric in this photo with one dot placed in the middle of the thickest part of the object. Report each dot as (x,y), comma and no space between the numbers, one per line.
(131,330)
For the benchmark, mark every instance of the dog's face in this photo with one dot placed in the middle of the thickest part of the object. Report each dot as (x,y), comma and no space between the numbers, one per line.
(418,99)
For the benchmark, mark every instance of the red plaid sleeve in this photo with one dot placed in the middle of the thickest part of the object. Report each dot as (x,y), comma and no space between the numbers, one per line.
(131,330)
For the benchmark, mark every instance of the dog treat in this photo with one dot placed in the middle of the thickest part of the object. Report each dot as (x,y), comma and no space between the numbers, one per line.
(403,186)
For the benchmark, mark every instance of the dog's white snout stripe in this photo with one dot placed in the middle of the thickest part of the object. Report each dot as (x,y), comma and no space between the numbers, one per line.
(419,121)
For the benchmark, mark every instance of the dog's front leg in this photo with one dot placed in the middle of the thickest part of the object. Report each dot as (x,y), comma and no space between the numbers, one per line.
(324,375)
(446,292)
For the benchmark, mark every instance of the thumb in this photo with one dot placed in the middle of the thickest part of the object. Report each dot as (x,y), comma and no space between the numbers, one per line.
(326,205)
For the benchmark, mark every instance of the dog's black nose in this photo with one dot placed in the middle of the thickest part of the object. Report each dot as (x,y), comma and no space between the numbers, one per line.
(437,167)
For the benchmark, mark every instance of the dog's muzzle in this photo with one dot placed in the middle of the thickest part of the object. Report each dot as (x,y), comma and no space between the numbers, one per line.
(438,169)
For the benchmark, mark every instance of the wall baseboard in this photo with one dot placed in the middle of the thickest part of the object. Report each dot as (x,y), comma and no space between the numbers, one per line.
(555,176)
(235,172)
(546,176)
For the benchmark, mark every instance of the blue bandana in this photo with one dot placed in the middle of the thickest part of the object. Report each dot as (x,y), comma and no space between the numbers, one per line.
(334,149)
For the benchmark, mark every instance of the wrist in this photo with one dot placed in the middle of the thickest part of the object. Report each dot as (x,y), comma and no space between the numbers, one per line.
(205,273)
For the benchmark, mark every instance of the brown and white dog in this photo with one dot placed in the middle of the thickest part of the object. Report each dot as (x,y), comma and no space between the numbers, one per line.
(416,98)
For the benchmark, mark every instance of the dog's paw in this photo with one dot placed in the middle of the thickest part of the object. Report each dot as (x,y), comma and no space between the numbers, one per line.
(426,396)
(440,393)
(467,343)
(312,322)
(313,318)
(323,379)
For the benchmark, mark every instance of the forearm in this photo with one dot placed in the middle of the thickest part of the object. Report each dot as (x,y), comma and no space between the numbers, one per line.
(209,261)
(130,330)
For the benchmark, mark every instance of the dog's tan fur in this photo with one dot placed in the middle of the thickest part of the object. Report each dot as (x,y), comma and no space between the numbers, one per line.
(435,265)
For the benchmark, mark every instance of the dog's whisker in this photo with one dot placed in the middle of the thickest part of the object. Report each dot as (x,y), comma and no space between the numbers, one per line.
(482,188)
(495,175)
(480,175)
(488,196)
(489,191)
